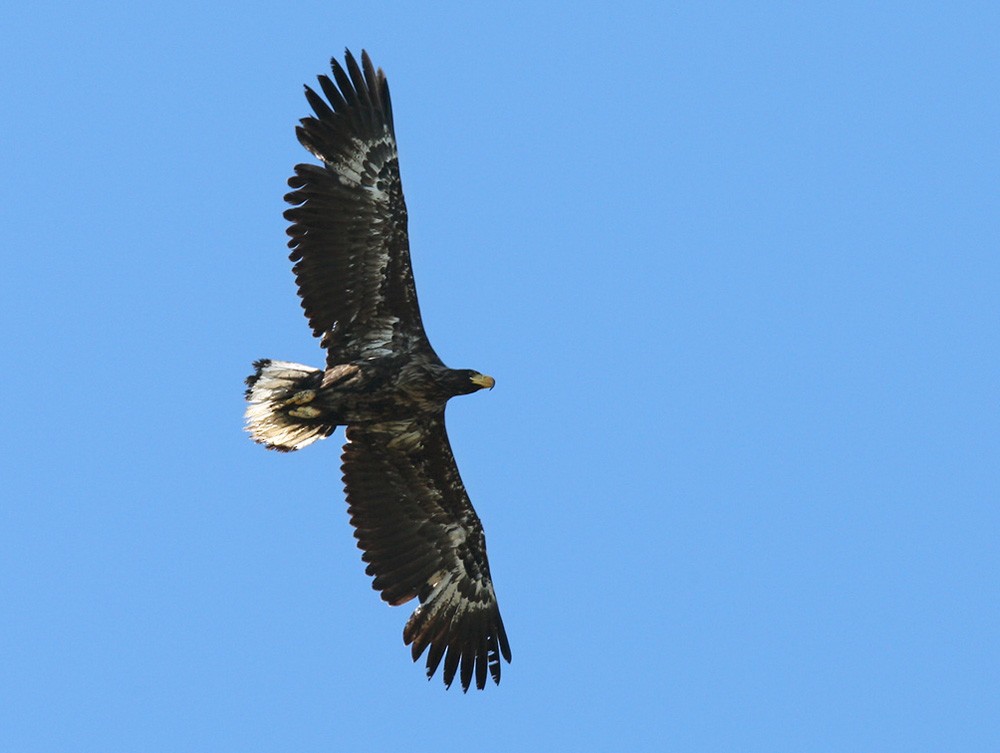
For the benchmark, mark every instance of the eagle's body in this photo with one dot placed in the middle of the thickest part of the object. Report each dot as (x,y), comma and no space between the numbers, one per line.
(383,381)
(317,401)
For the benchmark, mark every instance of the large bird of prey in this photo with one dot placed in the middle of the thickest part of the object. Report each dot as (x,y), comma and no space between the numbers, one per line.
(383,381)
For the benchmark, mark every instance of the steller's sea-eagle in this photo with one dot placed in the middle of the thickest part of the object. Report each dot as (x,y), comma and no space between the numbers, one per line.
(412,516)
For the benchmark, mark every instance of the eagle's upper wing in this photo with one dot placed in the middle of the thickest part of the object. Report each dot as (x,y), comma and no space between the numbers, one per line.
(348,231)
(421,537)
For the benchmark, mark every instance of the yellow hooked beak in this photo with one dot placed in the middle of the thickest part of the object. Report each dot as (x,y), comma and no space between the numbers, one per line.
(481,380)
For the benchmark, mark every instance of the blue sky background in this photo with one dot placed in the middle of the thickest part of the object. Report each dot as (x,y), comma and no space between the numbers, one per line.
(734,266)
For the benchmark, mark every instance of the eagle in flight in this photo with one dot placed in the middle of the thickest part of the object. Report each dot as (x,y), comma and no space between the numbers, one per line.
(383,381)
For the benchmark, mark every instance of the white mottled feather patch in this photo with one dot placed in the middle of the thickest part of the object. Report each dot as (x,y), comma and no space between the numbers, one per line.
(379,337)
(355,169)
(405,436)
(456,535)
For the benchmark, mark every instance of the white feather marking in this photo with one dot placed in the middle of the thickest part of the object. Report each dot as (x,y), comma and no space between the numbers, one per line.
(457,535)
(444,591)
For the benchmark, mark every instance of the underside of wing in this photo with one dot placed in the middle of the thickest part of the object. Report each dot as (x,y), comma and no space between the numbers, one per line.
(422,538)
(348,226)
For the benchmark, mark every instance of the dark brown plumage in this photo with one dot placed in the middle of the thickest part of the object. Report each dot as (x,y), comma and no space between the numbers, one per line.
(383,381)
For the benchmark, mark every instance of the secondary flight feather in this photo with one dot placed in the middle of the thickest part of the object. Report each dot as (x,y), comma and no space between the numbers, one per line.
(417,529)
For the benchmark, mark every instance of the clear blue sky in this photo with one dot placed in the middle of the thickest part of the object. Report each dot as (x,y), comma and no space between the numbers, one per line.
(735,268)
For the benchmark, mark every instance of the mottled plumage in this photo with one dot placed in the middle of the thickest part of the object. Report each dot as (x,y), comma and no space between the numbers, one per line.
(412,517)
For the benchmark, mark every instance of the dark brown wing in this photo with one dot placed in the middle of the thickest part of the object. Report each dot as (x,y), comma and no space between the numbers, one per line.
(349,239)
(421,538)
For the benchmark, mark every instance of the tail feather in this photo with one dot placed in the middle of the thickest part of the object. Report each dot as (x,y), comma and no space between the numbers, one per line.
(279,413)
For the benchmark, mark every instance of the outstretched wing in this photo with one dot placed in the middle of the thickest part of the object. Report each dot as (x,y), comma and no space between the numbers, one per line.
(421,538)
(348,227)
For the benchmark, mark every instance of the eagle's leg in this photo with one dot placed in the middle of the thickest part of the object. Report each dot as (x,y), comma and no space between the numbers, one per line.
(303,397)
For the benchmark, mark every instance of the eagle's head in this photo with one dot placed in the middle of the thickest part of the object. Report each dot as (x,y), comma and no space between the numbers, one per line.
(465,381)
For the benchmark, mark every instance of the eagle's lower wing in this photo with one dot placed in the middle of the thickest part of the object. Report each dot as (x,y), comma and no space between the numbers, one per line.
(348,228)
(421,537)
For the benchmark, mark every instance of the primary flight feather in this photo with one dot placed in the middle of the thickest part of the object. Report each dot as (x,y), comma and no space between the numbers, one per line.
(412,517)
